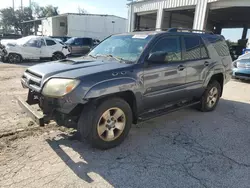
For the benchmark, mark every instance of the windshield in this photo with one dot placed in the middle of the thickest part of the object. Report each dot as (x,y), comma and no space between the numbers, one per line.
(126,47)
(70,41)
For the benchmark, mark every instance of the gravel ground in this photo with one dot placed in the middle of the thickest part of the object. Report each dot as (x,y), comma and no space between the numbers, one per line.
(183,149)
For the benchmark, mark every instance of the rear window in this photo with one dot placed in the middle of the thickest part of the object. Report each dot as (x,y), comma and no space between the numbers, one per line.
(220,45)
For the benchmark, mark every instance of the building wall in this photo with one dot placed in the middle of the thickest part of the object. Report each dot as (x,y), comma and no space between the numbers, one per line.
(201,7)
(47,27)
(59,26)
(95,26)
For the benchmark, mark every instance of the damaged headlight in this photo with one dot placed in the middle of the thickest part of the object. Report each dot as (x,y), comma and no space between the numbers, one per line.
(58,87)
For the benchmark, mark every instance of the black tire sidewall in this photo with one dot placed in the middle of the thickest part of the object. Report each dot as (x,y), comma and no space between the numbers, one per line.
(204,105)
(20,57)
(54,57)
(93,136)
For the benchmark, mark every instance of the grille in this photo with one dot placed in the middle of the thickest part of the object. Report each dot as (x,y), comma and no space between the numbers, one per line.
(242,74)
(32,79)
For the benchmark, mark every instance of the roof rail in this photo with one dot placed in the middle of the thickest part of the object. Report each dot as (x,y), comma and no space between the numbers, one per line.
(175,30)
(189,30)
(144,29)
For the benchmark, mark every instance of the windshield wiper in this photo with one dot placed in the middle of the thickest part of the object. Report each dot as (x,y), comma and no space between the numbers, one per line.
(111,56)
(92,56)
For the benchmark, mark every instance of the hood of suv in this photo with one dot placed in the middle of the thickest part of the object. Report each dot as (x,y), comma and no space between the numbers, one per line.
(75,68)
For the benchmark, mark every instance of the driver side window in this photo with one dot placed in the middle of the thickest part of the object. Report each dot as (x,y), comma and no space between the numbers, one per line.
(171,46)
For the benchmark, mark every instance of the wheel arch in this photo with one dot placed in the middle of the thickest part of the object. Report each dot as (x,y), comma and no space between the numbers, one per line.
(219,77)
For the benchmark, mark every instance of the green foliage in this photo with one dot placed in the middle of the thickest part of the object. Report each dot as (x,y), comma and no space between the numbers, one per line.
(41,12)
(11,19)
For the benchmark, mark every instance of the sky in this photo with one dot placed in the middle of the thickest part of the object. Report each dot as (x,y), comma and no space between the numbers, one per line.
(113,7)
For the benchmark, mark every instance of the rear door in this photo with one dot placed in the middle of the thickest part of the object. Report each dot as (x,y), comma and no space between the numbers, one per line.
(197,64)
(49,48)
(87,44)
(164,82)
(77,46)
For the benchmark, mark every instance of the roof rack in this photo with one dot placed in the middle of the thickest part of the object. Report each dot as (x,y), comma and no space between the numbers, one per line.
(188,30)
(175,30)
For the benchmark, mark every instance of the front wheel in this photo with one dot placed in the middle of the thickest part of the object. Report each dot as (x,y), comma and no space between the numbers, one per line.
(210,97)
(14,58)
(57,56)
(106,125)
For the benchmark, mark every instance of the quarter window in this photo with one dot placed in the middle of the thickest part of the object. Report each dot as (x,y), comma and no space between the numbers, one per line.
(50,42)
(220,45)
(172,47)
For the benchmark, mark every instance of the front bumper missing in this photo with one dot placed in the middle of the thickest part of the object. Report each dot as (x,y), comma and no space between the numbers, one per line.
(37,117)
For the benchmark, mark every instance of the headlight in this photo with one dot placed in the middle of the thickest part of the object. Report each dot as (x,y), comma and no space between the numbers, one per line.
(58,87)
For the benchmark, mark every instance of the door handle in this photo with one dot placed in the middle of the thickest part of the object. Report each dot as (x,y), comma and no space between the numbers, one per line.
(181,67)
(206,64)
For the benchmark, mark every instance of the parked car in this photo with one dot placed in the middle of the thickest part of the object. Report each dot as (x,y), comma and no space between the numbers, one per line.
(129,78)
(242,67)
(81,46)
(33,47)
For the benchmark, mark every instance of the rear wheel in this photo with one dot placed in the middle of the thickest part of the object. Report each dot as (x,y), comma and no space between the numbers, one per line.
(14,58)
(210,97)
(106,125)
(57,56)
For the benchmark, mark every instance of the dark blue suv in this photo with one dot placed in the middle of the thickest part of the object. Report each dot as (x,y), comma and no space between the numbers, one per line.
(129,78)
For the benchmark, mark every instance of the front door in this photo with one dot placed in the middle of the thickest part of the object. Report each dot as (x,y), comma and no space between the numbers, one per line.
(197,63)
(164,82)
(32,49)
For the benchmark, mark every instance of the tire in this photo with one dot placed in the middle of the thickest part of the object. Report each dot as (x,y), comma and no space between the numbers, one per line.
(14,58)
(98,130)
(211,97)
(57,56)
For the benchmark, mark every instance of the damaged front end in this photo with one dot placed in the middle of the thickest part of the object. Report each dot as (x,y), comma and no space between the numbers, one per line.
(60,109)
(3,53)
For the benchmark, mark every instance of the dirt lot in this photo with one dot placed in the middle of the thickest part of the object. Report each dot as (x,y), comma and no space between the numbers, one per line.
(183,149)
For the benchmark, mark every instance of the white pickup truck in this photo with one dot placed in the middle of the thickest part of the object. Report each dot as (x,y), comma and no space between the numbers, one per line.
(32,48)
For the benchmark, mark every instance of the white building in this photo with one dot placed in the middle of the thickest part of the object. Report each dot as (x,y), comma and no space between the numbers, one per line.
(196,14)
(83,25)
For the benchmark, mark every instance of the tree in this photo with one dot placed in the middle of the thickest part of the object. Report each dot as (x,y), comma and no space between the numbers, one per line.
(41,12)
(8,19)
(81,10)
(13,19)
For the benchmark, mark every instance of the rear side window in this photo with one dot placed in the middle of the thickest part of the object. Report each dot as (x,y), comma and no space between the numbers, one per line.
(78,41)
(50,42)
(220,45)
(87,41)
(195,48)
(192,44)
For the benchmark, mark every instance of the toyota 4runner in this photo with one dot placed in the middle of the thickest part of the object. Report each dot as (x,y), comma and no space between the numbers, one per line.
(129,78)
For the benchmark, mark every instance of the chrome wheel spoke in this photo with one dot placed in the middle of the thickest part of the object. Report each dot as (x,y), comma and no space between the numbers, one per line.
(102,128)
(106,115)
(118,113)
(110,134)
(119,125)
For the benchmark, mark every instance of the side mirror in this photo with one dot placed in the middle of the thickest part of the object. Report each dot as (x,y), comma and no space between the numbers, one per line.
(157,57)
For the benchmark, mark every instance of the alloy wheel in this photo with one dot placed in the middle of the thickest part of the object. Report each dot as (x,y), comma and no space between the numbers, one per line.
(212,97)
(111,124)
